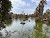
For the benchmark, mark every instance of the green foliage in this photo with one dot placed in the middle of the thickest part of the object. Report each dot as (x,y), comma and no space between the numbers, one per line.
(1,25)
(39,10)
(47,15)
(37,19)
(0,16)
(48,24)
(0,34)
(8,22)
(48,20)
(6,7)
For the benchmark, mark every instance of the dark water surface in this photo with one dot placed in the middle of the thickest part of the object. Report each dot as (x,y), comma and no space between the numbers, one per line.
(30,29)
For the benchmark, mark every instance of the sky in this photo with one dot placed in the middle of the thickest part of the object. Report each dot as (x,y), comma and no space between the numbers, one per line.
(28,6)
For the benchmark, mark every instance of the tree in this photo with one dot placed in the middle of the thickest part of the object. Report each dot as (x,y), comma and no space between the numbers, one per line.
(39,9)
(47,13)
(5,8)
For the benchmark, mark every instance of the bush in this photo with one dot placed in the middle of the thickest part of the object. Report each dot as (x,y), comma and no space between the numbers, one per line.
(48,20)
(37,19)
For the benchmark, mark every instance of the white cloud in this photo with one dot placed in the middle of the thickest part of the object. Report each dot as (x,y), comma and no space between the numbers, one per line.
(17,4)
(37,1)
(26,11)
(46,9)
(29,11)
(28,4)
(48,0)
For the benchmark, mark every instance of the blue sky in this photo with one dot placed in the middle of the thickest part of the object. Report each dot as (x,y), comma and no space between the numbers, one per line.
(28,6)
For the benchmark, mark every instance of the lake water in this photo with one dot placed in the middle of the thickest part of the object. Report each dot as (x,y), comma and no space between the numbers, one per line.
(30,29)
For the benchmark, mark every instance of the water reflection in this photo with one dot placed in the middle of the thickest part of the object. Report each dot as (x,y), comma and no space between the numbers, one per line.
(30,29)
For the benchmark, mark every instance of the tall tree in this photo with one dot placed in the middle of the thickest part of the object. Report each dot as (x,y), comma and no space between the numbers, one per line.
(40,8)
(5,8)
